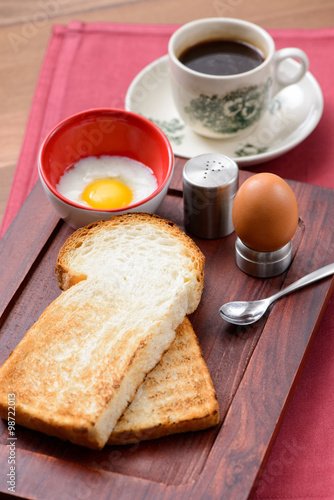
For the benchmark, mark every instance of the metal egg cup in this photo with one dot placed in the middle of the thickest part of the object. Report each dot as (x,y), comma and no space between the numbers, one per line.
(262,264)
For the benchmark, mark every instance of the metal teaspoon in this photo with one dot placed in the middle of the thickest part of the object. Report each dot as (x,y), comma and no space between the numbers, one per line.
(246,313)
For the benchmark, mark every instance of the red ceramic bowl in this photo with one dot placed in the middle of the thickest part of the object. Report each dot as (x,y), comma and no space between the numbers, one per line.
(99,132)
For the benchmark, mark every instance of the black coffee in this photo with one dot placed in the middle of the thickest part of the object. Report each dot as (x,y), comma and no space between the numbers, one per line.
(222,57)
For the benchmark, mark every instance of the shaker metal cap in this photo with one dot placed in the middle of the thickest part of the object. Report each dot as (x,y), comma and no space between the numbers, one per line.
(212,172)
(210,182)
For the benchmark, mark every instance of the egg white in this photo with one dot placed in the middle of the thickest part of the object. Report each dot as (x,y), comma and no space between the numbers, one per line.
(137,176)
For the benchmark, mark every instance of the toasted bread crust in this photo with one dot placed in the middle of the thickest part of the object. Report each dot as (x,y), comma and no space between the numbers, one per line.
(176,396)
(67,277)
(80,364)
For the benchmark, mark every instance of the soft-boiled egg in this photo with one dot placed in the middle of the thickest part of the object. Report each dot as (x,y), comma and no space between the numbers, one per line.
(107,182)
(265,212)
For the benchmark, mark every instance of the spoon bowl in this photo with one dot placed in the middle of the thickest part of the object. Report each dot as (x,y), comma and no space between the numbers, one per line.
(244,313)
(247,313)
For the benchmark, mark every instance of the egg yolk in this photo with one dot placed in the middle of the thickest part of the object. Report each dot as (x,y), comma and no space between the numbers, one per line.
(105,194)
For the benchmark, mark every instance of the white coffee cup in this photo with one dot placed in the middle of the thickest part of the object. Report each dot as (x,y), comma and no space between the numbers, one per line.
(222,106)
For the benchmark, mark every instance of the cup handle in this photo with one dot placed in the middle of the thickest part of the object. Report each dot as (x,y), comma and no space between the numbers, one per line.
(283,79)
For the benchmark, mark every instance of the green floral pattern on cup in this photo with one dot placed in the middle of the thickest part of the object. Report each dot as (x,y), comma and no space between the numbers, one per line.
(232,112)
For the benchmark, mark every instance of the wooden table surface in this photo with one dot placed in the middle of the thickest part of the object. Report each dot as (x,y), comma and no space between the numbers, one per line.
(25,28)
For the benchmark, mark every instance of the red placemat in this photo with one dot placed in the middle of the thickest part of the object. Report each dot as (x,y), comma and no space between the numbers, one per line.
(92,66)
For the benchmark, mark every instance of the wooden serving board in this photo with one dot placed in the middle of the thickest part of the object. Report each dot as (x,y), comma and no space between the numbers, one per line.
(254,369)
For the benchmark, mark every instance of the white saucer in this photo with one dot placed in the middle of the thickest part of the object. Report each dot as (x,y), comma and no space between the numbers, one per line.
(292,115)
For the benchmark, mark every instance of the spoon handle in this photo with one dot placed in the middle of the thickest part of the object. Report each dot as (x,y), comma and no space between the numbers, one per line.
(319,274)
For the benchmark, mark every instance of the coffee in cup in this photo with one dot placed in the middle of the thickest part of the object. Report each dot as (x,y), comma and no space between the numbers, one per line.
(224,72)
(222,57)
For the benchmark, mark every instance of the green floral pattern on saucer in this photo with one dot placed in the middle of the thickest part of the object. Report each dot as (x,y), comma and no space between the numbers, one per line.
(171,129)
(233,112)
(249,150)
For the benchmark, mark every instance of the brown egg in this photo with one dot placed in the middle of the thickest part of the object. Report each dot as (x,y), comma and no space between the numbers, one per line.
(265,212)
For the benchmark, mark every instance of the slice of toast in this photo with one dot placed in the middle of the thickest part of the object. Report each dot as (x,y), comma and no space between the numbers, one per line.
(176,396)
(129,282)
